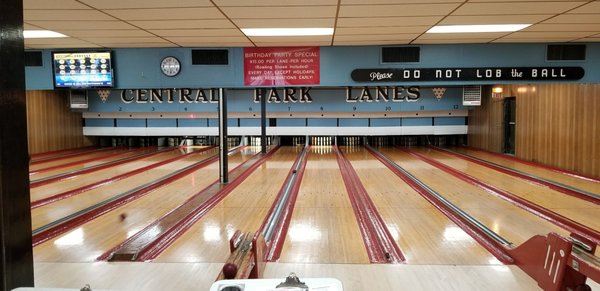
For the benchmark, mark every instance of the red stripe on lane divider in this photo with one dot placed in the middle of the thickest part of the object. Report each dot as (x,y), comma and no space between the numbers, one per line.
(77,191)
(35,172)
(75,173)
(147,244)
(63,152)
(525,204)
(68,225)
(523,176)
(381,246)
(547,167)
(275,245)
(494,247)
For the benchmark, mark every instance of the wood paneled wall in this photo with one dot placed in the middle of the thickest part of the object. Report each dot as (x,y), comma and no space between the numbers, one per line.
(51,125)
(557,125)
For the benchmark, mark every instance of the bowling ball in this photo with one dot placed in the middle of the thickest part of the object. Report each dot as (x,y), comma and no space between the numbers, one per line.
(122,216)
(229,270)
(294,171)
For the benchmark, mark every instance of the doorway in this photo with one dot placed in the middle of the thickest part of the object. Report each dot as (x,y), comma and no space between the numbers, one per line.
(510,113)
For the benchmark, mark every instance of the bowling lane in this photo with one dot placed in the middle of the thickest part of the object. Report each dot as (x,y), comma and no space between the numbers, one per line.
(105,159)
(565,179)
(89,178)
(243,209)
(579,210)
(323,228)
(77,158)
(51,212)
(424,234)
(87,242)
(509,221)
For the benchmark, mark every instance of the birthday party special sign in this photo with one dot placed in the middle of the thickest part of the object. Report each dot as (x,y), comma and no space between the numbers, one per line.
(280,66)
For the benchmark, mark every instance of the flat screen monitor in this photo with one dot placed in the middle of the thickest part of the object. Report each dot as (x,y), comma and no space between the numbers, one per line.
(83,69)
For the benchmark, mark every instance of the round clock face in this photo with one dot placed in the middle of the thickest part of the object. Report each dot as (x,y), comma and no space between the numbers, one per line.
(170,66)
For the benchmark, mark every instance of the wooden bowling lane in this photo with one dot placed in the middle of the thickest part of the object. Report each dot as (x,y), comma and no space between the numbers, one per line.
(87,242)
(84,163)
(323,228)
(579,210)
(71,159)
(507,220)
(569,180)
(424,234)
(89,178)
(243,209)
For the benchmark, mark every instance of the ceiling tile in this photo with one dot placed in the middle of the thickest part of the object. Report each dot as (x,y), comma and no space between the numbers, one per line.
(451,41)
(32,15)
(575,18)
(563,27)
(184,24)
(380,30)
(214,39)
(303,39)
(377,37)
(547,35)
(396,10)
(388,21)
(122,4)
(215,44)
(197,32)
(49,41)
(106,33)
(65,24)
(280,12)
(28,26)
(254,3)
(53,4)
(489,35)
(515,8)
(290,23)
(63,46)
(371,42)
(540,40)
(279,44)
(593,7)
(494,19)
(378,2)
(142,44)
(101,40)
(167,13)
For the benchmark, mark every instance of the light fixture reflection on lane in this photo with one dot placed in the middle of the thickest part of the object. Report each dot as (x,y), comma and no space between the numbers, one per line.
(304,233)
(212,233)
(454,234)
(72,238)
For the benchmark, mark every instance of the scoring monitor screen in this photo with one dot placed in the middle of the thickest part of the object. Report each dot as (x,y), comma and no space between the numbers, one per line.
(83,70)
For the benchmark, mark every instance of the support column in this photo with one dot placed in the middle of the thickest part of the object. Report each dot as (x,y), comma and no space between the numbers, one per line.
(223,169)
(16,256)
(263,121)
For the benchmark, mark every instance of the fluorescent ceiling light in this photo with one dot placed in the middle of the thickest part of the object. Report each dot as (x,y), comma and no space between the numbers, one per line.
(286,31)
(477,28)
(42,34)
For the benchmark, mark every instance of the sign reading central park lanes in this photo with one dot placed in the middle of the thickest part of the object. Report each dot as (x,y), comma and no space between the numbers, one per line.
(282,66)
(469,74)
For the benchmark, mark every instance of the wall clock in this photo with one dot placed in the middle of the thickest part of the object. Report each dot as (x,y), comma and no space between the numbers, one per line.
(170,66)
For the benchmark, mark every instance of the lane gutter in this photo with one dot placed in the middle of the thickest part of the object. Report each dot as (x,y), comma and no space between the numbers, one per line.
(520,202)
(78,218)
(108,181)
(379,243)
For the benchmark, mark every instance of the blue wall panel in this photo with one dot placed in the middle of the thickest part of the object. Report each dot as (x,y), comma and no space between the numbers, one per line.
(197,122)
(94,122)
(354,122)
(291,122)
(168,122)
(322,122)
(131,123)
(250,122)
(449,121)
(379,122)
(410,121)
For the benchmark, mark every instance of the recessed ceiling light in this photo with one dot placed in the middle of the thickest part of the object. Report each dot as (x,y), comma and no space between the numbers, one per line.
(286,31)
(41,34)
(477,28)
